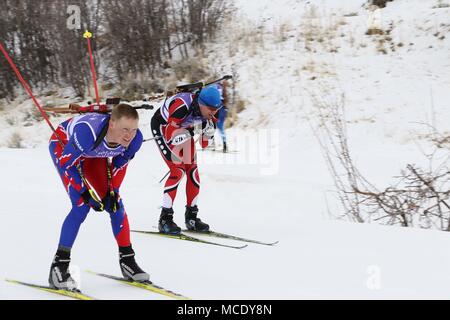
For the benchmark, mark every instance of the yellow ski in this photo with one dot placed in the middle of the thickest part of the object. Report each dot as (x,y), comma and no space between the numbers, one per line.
(148,285)
(75,294)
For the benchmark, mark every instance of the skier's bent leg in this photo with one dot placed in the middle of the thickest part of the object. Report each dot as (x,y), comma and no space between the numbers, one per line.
(192,184)
(171,186)
(166,223)
(192,192)
(120,227)
(71,225)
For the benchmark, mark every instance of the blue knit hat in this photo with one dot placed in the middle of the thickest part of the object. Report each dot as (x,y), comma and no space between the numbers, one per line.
(210,96)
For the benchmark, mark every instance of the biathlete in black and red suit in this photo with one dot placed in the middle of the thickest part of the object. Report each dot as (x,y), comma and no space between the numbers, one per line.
(174,123)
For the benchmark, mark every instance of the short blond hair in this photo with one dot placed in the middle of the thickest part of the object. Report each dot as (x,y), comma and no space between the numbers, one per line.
(124,110)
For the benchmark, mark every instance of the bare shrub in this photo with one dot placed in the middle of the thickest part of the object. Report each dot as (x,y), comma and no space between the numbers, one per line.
(136,86)
(238,106)
(331,133)
(380,3)
(374,31)
(192,69)
(418,197)
(440,4)
(15,141)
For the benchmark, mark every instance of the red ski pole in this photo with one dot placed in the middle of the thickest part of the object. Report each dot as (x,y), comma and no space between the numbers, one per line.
(25,85)
(112,194)
(88,36)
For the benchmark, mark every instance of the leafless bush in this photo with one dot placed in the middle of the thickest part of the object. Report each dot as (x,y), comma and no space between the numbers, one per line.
(131,88)
(380,3)
(192,69)
(440,4)
(417,198)
(331,132)
(374,31)
(129,37)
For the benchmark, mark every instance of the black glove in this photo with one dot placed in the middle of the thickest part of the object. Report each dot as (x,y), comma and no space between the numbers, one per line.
(111,202)
(89,199)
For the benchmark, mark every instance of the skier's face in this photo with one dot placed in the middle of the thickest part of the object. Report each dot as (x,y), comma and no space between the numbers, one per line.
(122,131)
(207,112)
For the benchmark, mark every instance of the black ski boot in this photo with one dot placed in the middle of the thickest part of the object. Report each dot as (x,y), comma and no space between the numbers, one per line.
(225,150)
(59,277)
(128,266)
(166,224)
(192,222)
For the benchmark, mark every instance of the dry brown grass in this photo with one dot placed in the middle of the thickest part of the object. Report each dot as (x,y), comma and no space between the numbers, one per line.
(15,141)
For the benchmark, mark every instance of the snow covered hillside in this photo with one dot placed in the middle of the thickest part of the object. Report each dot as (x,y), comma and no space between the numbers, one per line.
(283,54)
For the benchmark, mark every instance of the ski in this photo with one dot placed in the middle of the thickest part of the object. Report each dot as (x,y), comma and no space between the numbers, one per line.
(186,237)
(75,294)
(229,236)
(147,285)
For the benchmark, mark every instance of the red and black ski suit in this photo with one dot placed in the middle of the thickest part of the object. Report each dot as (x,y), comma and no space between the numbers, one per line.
(177,117)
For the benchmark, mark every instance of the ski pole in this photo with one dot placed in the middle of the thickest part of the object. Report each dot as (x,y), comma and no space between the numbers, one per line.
(150,139)
(87,35)
(164,176)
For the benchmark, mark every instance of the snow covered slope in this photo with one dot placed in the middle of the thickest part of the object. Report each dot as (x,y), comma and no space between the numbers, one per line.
(395,84)
(281,53)
(314,259)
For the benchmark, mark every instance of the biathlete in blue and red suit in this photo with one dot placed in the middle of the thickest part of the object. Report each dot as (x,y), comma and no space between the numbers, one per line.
(81,150)
(174,124)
